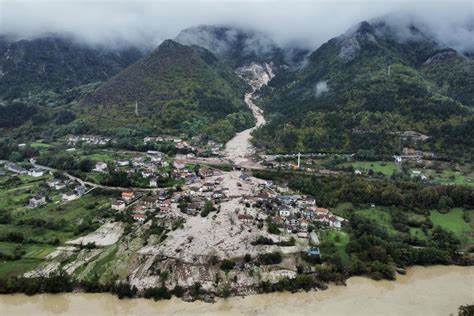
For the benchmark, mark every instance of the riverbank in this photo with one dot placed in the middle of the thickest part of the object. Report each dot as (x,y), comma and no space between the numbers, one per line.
(436,290)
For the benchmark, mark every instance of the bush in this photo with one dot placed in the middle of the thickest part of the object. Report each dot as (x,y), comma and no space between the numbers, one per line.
(270,258)
(227,265)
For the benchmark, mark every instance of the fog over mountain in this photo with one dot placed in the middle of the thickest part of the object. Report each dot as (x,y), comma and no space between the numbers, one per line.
(147,23)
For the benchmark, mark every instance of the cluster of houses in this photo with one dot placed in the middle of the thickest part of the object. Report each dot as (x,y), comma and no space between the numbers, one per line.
(195,144)
(296,213)
(88,139)
(17,169)
(155,166)
(141,206)
(59,185)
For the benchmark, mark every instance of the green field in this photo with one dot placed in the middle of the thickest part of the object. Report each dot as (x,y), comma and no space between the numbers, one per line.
(454,222)
(334,243)
(387,168)
(452,177)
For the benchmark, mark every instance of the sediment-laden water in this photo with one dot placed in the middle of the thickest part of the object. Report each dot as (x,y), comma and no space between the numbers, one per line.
(435,290)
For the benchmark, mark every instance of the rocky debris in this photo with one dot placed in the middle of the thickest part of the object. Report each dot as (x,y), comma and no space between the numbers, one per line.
(108,234)
(257,75)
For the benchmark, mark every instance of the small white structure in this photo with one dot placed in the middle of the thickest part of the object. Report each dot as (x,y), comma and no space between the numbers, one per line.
(100,166)
(118,205)
(35,173)
(70,196)
(37,201)
(123,163)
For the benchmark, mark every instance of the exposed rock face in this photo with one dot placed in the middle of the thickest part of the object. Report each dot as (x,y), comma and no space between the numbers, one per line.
(257,75)
(442,55)
(353,39)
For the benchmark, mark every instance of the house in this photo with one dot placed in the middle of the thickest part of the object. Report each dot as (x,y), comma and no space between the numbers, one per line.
(397,159)
(193,190)
(335,222)
(283,189)
(70,196)
(284,211)
(218,181)
(292,220)
(37,201)
(218,194)
(303,225)
(122,163)
(245,217)
(13,167)
(128,196)
(179,164)
(139,217)
(207,187)
(206,172)
(59,185)
(150,201)
(70,150)
(313,239)
(118,205)
(52,183)
(314,252)
(269,183)
(193,208)
(100,166)
(81,190)
(153,183)
(322,211)
(147,174)
(310,201)
(357,172)
(35,172)
(244,177)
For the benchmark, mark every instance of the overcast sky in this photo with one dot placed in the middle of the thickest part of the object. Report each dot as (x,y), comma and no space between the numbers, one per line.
(150,22)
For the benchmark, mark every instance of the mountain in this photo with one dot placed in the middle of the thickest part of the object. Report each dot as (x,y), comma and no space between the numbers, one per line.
(371,81)
(56,63)
(240,47)
(176,88)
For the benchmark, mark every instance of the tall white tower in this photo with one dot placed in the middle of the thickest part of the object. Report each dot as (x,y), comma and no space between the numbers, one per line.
(299,160)
(136,108)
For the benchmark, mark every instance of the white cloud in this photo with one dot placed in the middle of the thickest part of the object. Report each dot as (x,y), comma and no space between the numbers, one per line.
(149,22)
(320,88)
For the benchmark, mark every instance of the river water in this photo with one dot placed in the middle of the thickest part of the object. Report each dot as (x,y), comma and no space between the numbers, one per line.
(437,290)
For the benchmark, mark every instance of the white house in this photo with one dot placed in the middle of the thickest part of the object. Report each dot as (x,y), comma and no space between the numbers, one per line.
(284,212)
(118,205)
(35,172)
(123,163)
(70,196)
(37,201)
(179,164)
(100,166)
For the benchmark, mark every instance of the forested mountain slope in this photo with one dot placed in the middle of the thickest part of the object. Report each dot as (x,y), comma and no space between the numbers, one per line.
(176,88)
(359,91)
(56,63)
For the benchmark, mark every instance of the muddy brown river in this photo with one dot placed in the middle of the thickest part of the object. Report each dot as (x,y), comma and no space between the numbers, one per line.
(435,290)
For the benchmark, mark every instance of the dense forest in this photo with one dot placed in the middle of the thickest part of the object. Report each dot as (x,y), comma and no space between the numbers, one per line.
(364,88)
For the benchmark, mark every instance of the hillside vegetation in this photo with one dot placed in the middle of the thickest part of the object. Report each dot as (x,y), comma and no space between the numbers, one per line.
(361,89)
(175,89)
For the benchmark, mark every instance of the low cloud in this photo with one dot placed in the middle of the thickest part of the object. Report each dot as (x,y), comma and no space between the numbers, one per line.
(320,88)
(147,23)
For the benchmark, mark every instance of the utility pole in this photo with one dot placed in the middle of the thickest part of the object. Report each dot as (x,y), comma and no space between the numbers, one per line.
(299,160)
(389,68)
(136,108)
